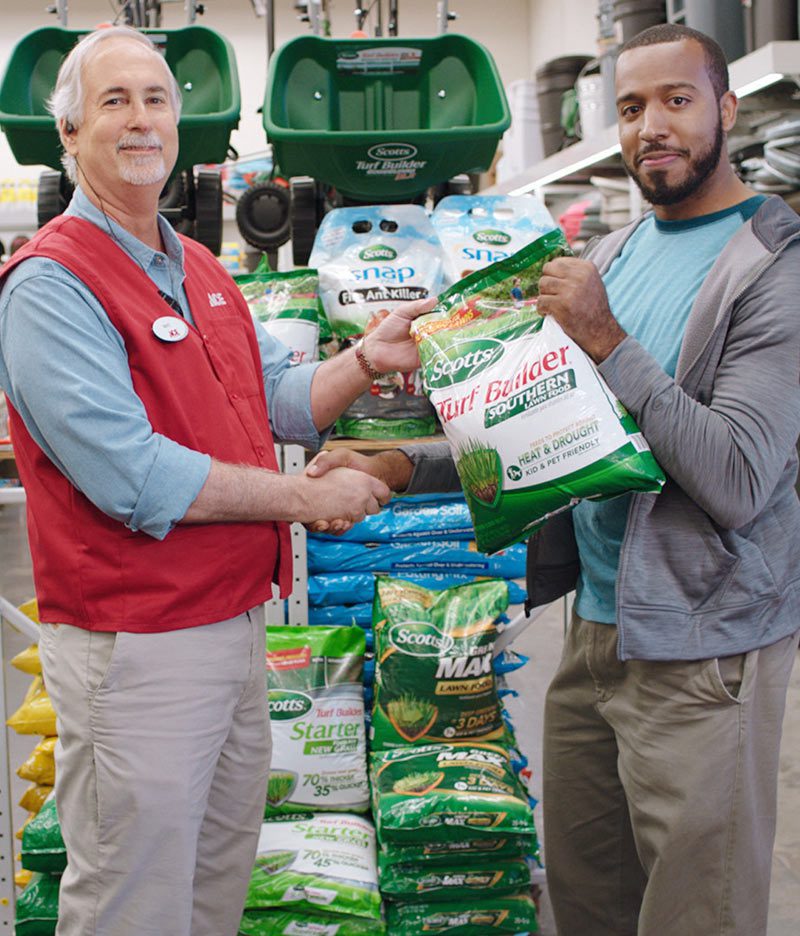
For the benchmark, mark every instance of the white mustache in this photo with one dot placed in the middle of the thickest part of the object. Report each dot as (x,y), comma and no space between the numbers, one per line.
(136,140)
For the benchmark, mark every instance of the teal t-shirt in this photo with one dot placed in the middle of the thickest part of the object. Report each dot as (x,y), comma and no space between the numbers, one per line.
(651,288)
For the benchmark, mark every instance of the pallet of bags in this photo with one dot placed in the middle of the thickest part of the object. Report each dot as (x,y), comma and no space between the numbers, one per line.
(455,824)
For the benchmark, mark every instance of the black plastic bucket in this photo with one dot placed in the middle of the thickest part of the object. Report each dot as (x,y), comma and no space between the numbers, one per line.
(633,16)
(552,80)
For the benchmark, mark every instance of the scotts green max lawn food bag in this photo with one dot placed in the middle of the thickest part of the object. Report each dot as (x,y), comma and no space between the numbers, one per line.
(288,306)
(305,923)
(371,260)
(476,852)
(447,793)
(316,710)
(456,882)
(476,918)
(478,230)
(326,863)
(37,906)
(434,679)
(531,424)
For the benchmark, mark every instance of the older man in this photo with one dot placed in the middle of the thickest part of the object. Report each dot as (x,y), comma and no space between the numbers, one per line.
(139,391)
(663,721)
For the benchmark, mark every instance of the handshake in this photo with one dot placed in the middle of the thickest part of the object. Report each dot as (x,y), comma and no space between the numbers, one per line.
(346,486)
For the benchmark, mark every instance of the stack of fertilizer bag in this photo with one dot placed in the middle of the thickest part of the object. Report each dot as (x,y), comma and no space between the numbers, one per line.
(316,867)
(454,821)
(43,855)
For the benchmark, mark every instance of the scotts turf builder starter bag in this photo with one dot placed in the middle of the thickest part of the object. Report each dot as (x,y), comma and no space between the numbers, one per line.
(478,230)
(456,881)
(447,793)
(326,862)
(476,918)
(316,710)
(370,260)
(434,679)
(531,424)
(288,307)
(303,923)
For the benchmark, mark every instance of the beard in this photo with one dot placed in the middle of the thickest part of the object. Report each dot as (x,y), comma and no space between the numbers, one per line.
(658,191)
(142,168)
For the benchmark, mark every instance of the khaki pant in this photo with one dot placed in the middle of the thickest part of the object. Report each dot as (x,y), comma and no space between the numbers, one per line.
(161,773)
(660,785)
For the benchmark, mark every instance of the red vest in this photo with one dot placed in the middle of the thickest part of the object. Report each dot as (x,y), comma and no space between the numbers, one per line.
(206,392)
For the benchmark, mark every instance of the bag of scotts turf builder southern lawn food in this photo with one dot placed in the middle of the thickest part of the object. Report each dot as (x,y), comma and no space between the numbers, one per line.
(532,426)
(478,230)
(288,307)
(305,923)
(316,710)
(434,679)
(371,260)
(477,918)
(326,862)
(447,793)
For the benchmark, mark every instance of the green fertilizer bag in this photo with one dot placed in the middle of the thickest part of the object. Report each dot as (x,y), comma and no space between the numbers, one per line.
(42,845)
(316,710)
(300,923)
(434,679)
(287,305)
(37,907)
(459,882)
(324,863)
(476,851)
(477,918)
(447,793)
(532,426)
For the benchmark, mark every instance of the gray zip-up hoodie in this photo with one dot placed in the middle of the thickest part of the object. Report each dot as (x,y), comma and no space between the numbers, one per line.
(711,565)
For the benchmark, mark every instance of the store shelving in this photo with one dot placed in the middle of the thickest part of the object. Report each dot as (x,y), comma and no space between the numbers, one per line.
(767,82)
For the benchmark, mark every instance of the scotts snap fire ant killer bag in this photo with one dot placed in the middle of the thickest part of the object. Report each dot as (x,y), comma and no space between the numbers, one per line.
(434,679)
(478,230)
(532,426)
(288,307)
(371,260)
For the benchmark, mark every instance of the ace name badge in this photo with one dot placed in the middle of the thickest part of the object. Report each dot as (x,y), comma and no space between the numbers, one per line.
(170,328)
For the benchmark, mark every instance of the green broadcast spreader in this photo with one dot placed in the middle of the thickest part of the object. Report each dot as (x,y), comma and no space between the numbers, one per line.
(202,60)
(204,65)
(382,120)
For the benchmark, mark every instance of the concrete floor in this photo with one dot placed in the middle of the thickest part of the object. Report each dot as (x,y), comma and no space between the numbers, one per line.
(542,642)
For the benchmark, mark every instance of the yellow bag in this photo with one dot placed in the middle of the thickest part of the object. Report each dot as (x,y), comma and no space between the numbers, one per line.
(28,660)
(36,714)
(23,877)
(40,766)
(21,829)
(33,798)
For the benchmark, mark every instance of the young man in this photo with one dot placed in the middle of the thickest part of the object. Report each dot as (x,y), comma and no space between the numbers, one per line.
(663,722)
(139,391)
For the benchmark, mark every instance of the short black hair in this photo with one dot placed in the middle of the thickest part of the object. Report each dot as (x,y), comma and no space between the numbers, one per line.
(716,63)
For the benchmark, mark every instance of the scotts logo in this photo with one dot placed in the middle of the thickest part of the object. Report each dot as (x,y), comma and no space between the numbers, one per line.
(391,151)
(491,237)
(416,638)
(462,361)
(285,704)
(377,252)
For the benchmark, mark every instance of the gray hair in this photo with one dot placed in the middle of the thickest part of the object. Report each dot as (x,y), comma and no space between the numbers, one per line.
(66,101)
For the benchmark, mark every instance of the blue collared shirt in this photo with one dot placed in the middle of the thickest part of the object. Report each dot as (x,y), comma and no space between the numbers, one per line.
(64,368)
